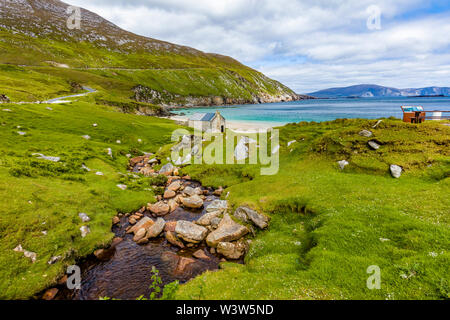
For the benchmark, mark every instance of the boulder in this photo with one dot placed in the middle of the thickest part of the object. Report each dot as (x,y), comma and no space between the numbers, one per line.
(188,191)
(194,202)
(140,234)
(190,232)
(396,171)
(148,172)
(84,217)
(169,194)
(183,263)
(342,164)
(200,254)
(218,192)
(215,222)
(228,230)
(170,226)
(85,231)
(173,239)
(167,169)
(135,161)
(192,192)
(174,186)
(160,208)
(217,205)
(373,145)
(232,250)
(156,229)
(365,133)
(145,223)
(259,220)
(206,219)
(173,205)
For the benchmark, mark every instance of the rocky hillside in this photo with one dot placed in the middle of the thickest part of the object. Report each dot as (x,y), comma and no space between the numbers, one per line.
(34,33)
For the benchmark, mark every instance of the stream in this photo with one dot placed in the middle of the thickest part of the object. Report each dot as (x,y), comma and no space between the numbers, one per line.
(126,272)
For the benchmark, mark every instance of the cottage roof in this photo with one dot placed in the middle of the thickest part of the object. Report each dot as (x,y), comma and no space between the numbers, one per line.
(202,116)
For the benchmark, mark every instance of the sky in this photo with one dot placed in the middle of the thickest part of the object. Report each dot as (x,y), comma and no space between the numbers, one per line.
(308,45)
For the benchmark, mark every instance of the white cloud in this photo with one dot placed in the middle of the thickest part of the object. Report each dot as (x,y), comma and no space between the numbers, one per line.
(327,40)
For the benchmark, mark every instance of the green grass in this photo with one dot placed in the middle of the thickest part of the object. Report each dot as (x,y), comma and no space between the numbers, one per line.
(177,75)
(39,195)
(328,226)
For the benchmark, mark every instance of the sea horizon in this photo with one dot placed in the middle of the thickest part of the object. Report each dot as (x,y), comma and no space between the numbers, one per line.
(320,110)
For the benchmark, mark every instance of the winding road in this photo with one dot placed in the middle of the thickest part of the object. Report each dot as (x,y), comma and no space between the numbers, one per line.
(61,99)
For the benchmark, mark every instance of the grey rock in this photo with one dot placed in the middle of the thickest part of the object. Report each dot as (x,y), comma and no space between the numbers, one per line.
(84,217)
(232,250)
(194,202)
(215,222)
(374,145)
(167,169)
(54,259)
(85,231)
(190,232)
(217,205)
(228,230)
(206,219)
(259,220)
(396,171)
(156,229)
(41,156)
(366,133)
(342,164)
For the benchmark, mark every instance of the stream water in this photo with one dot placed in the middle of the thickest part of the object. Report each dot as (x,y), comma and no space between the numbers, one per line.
(126,274)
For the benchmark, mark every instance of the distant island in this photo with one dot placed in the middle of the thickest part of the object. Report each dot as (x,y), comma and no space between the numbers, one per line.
(376,91)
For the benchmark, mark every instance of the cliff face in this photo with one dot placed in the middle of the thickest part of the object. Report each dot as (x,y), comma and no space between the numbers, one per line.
(35,33)
(167,99)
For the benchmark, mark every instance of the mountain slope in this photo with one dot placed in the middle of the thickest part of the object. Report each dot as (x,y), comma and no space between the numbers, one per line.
(34,33)
(371,90)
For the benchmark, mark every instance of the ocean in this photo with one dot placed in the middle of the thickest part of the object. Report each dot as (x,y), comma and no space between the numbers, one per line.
(322,109)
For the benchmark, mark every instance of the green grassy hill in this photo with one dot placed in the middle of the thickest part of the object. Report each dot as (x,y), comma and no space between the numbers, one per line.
(328,226)
(35,38)
(39,195)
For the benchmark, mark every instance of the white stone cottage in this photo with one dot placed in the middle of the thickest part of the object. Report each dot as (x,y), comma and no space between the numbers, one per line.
(208,122)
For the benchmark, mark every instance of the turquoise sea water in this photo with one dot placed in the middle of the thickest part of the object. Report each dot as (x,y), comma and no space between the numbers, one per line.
(322,110)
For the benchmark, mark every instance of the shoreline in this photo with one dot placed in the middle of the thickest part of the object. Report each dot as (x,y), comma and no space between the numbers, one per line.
(238,125)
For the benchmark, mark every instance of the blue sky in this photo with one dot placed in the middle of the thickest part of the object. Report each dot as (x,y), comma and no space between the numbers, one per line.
(306,44)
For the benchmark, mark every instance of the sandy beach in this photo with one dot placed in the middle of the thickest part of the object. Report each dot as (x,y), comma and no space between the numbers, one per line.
(238,126)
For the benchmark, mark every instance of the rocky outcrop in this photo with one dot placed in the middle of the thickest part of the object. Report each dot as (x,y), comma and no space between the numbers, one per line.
(246,214)
(148,95)
(228,230)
